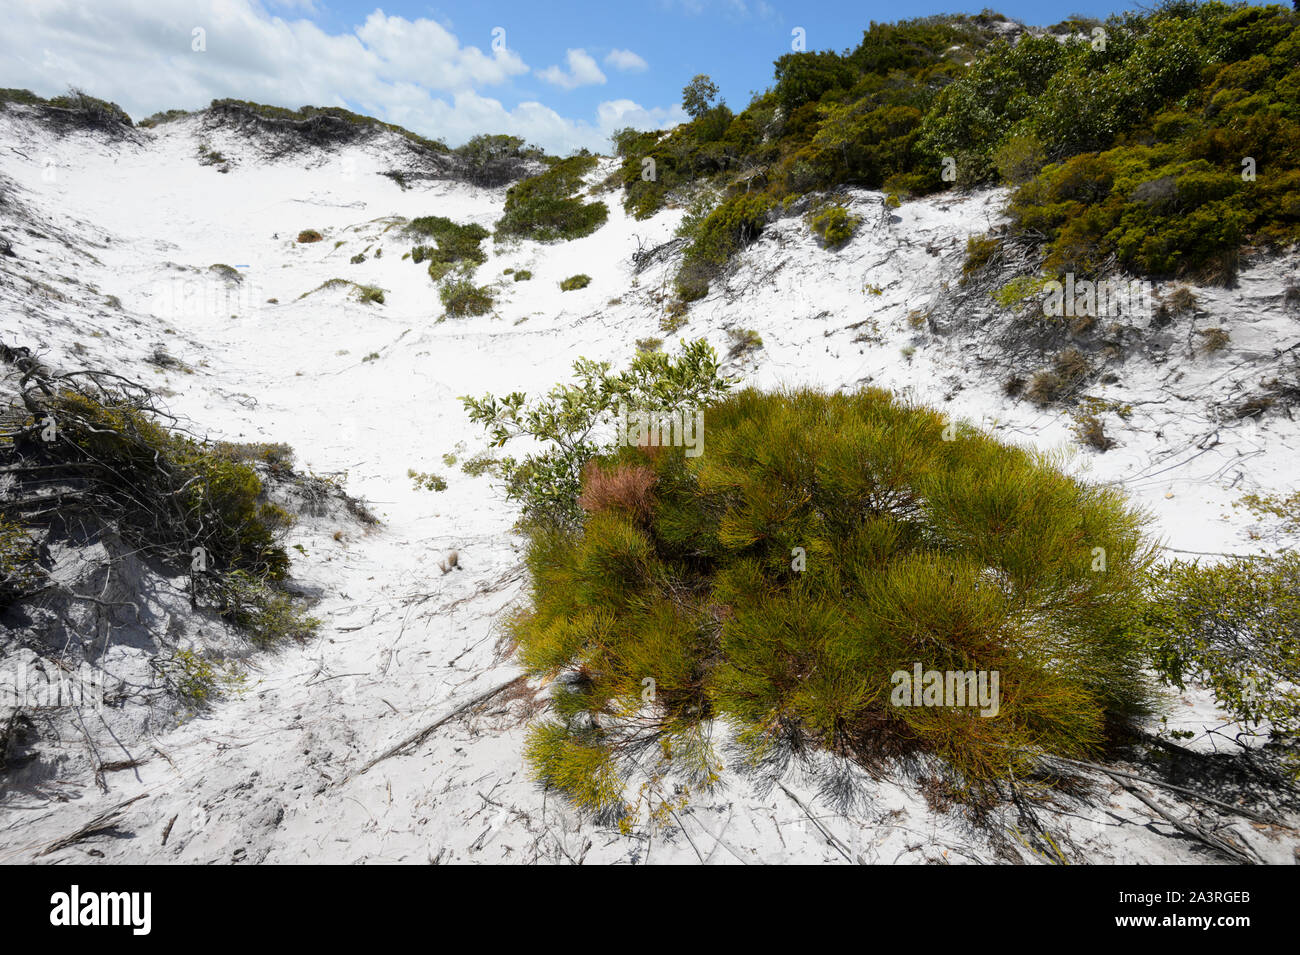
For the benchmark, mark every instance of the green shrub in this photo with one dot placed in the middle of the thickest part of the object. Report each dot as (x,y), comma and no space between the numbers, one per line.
(833,224)
(566,423)
(461,297)
(574,282)
(726,230)
(368,294)
(455,245)
(523,275)
(480,464)
(221,505)
(1235,627)
(781,581)
(20,571)
(428,482)
(545,208)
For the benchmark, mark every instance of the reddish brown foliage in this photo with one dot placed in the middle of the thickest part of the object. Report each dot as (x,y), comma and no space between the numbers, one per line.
(627,487)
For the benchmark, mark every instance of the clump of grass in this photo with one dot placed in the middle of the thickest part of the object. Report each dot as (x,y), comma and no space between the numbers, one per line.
(674,317)
(743,341)
(523,275)
(1089,430)
(1045,387)
(574,282)
(649,344)
(309,235)
(1212,340)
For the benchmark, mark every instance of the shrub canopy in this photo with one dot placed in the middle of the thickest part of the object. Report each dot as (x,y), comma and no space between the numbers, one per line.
(820,545)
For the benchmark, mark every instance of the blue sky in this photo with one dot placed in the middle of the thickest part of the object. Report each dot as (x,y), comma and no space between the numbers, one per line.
(562,74)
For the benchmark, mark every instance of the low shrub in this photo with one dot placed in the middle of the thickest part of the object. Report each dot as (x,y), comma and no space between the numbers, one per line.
(1234,627)
(574,282)
(546,208)
(726,230)
(427,482)
(795,578)
(461,297)
(833,224)
(455,245)
(309,235)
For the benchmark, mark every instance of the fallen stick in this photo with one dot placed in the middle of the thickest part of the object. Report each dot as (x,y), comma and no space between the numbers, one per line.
(101,823)
(1238,810)
(416,738)
(1187,829)
(831,838)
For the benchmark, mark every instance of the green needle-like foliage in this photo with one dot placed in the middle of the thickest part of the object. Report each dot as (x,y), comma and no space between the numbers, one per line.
(820,545)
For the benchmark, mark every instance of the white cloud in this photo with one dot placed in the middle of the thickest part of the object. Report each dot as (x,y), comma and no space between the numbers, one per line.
(416,73)
(582,71)
(625,60)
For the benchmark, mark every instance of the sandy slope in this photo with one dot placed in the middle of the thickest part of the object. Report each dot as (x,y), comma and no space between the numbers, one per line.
(263,776)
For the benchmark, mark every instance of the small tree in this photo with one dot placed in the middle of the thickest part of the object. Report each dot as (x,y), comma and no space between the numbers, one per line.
(568,421)
(698,95)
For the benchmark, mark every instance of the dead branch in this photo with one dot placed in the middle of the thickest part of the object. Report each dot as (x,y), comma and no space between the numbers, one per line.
(104,822)
(416,738)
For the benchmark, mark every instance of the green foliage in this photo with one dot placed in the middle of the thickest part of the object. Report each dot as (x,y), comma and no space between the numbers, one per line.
(21,97)
(833,224)
(268,613)
(89,109)
(574,282)
(1130,152)
(479,464)
(461,297)
(493,159)
(545,208)
(780,581)
(456,245)
(698,96)
(427,482)
(20,571)
(523,275)
(726,230)
(220,505)
(1234,627)
(370,294)
(569,422)
(196,679)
